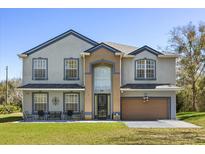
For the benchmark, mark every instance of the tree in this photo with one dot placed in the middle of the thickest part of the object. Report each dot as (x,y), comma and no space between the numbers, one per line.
(189,42)
(15,96)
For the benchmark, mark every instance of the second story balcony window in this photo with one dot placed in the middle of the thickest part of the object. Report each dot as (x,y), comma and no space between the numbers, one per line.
(71,67)
(102,79)
(40,69)
(145,69)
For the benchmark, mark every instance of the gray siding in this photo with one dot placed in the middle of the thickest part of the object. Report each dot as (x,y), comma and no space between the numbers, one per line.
(27,100)
(165,69)
(67,47)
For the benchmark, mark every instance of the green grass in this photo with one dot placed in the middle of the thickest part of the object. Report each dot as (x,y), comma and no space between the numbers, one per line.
(197,118)
(10,117)
(101,133)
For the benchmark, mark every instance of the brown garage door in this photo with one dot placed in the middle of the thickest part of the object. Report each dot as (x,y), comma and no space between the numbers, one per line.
(137,109)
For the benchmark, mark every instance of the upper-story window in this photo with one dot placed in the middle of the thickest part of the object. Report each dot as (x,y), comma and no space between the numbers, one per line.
(71,71)
(40,69)
(145,69)
(102,78)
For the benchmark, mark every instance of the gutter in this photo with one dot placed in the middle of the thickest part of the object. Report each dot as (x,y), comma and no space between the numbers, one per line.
(168,56)
(52,89)
(84,54)
(157,89)
(128,56)
(22,55)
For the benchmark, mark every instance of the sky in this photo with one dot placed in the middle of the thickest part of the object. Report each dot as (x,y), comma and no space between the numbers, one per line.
(23,29)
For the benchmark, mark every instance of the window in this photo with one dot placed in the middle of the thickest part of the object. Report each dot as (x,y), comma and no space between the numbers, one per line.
(40,69)
(72,102)
(40,101)
(145,69)
(71,69)
(102,78)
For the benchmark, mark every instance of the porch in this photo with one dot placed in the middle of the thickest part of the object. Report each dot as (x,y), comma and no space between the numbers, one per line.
(53,116)
(53,102)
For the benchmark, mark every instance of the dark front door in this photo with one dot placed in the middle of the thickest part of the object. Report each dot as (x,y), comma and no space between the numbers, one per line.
(102,106)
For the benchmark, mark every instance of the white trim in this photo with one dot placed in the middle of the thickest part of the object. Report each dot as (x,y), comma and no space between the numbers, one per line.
(84,70)
(128,56)
(22,55)
(121,70)
(84,54)
(52,89)
(156,89)
(168,56)
(119,53)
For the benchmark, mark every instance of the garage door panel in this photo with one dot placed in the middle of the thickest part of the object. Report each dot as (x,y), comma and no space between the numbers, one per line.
(137,109)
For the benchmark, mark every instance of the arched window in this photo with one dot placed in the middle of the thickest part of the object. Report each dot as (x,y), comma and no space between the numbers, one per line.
(145,69)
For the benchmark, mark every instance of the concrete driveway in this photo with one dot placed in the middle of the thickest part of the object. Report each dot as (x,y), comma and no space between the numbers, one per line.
(160,124)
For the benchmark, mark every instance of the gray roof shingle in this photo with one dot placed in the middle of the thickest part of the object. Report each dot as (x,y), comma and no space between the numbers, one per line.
(121,47)
(142,86)
(53,40)
(52,86)
(153,51)
(100,45)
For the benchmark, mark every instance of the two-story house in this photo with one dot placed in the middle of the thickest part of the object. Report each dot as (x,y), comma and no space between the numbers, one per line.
(101,80)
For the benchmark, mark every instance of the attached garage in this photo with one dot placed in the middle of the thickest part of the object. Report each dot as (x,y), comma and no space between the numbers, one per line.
(135,108)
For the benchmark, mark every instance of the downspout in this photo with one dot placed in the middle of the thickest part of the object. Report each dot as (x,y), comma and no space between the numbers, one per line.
(84,69)
(120,69)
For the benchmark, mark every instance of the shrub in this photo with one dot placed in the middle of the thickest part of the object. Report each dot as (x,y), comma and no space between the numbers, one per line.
(9,108)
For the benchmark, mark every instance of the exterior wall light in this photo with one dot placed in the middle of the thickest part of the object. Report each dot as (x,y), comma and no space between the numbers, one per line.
(145,98)
(55,101)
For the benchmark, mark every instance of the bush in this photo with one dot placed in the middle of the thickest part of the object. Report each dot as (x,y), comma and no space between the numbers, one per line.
(9,108)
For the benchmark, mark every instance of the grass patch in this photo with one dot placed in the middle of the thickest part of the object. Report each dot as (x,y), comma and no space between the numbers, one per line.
(197,118)
(10,117)
(95,133)
(101,133)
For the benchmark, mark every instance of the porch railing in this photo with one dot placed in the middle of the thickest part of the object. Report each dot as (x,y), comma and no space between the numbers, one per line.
(53,115)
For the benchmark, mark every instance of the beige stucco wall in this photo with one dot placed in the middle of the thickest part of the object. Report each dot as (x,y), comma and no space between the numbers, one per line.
(116,92)
(102,54)
(97,57)
(27,100)
(88,96)
(67,47)
(171,94)
(165,69)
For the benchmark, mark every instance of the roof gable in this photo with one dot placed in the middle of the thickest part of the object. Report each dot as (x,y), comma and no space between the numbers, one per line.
(102,45)
(61,36)
(146,48)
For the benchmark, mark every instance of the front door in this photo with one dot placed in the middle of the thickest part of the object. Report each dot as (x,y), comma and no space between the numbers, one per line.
(102,106)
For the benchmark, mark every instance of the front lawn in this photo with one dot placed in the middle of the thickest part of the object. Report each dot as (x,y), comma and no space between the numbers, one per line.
(10,117)
(197,118)
(100,133)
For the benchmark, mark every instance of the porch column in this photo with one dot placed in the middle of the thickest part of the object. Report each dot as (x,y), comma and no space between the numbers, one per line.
(116,96)
(88,96)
